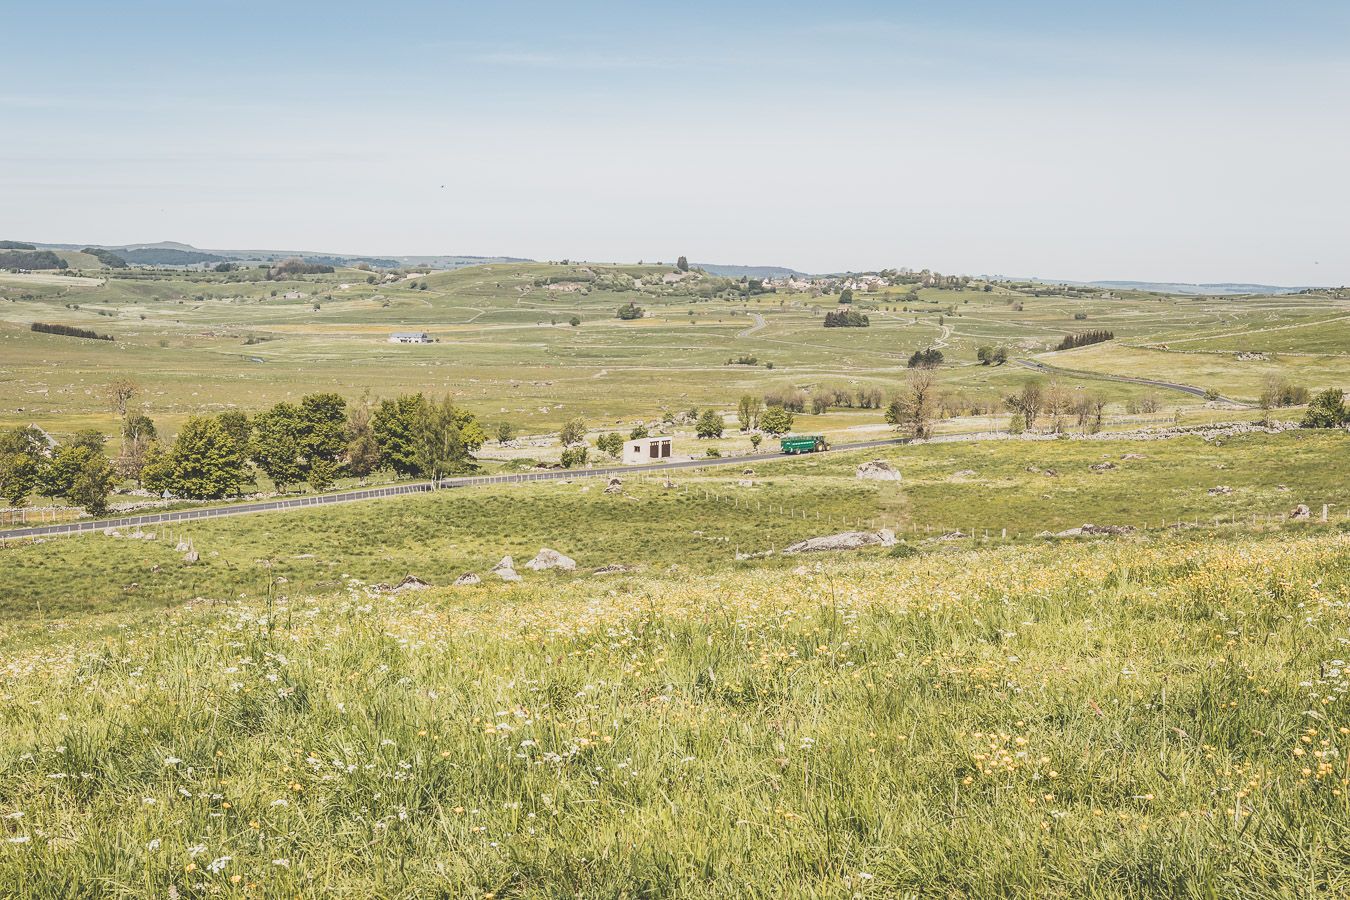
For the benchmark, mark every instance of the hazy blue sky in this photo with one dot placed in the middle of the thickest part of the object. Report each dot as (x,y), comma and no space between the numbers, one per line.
(1199,141)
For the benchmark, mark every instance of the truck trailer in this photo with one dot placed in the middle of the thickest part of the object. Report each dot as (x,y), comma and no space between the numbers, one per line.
(806,443)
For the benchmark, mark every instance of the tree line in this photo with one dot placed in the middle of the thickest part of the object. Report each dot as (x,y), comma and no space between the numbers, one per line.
(315,441)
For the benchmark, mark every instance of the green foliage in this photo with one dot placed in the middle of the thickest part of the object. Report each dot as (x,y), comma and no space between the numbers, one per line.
(610,443)
(363,455)
(929,358)
(276,445)
(776,421)
(992,356)
(639,431)
(506,432)
(80,474)
(1327,410)
(574,321)
(747,411)
(1084,339)
(204,463)
(630,311)
(848,318)
(574,457)
(30,259)
(446,438)
(756,440)
(395,424)
(573,432)
(20,463)
(710,424)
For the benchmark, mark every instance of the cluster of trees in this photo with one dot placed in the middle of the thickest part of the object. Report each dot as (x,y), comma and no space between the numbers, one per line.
(1084,338)
(69,331)
(77,472)
(295,265)
(631,311)
(315,441)
(930,358)
(992,356)
(31,259)
(107,257)
(1280,392)
(846,318)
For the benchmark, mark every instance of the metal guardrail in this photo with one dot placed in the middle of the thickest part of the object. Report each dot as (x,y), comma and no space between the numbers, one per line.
(420,487)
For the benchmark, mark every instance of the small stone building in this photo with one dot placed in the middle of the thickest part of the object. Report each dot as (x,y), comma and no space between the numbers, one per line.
(646,450)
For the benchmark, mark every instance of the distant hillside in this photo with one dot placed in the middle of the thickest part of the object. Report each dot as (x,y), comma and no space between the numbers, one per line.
(1167,287)
(747,271)
(30,259)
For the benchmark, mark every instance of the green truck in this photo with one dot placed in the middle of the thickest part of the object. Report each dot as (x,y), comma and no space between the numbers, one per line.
(806,443)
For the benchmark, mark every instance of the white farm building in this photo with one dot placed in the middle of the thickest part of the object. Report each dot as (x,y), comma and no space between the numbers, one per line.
(644,450)
(410,337)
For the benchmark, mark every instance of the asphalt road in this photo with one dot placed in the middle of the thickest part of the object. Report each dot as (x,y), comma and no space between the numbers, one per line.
(420,487)
(1168,385)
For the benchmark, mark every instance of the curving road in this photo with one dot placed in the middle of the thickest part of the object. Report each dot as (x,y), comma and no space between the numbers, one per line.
(1101,376)
(421,487)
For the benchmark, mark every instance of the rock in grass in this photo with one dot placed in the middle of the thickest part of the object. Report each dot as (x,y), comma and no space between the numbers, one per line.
(551,559)
(615,486)
(466,579)
(506,570)
(877,470)
(191,556)
(612,569)
(410,583)
(1220,490)
(1300,512)
(848,540)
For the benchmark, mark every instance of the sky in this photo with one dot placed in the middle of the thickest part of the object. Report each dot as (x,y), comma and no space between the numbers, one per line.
(1161,141)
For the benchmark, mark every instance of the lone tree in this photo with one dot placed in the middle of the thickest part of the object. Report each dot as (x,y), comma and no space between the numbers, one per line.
(631,311)
(120,393)
(573,432)
(776,421)
(610,443)
(710,424)
(1327,410)
(747,411)
(912,412)
(682,264)
(1028,403)
(363,450)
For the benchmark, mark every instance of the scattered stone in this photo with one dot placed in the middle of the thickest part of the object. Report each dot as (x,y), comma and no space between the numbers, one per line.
(466,579)
(668,484)
(1134,456)
(183,547)
(745,482)
(879,470)
(1219,491)
(1102,466)
(1300,512)
(410,583)
(112,532)
(1251,357)
(848,540)
(551,559)
(191,556)
(965,473)
(506,570)
(612,569)
(1089,530)
(747,471)
(615,486)
(1050,473)
(957,535)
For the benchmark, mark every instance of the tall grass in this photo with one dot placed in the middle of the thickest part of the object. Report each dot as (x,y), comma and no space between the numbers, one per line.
(1133,718)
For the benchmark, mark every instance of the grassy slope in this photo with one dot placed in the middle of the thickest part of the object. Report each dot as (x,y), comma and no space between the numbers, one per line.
(183,336)
(439,537)
(1123,719)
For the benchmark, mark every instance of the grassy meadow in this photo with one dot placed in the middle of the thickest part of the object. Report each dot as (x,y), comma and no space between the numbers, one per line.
(980,488)
(201,342)
(1160,716)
